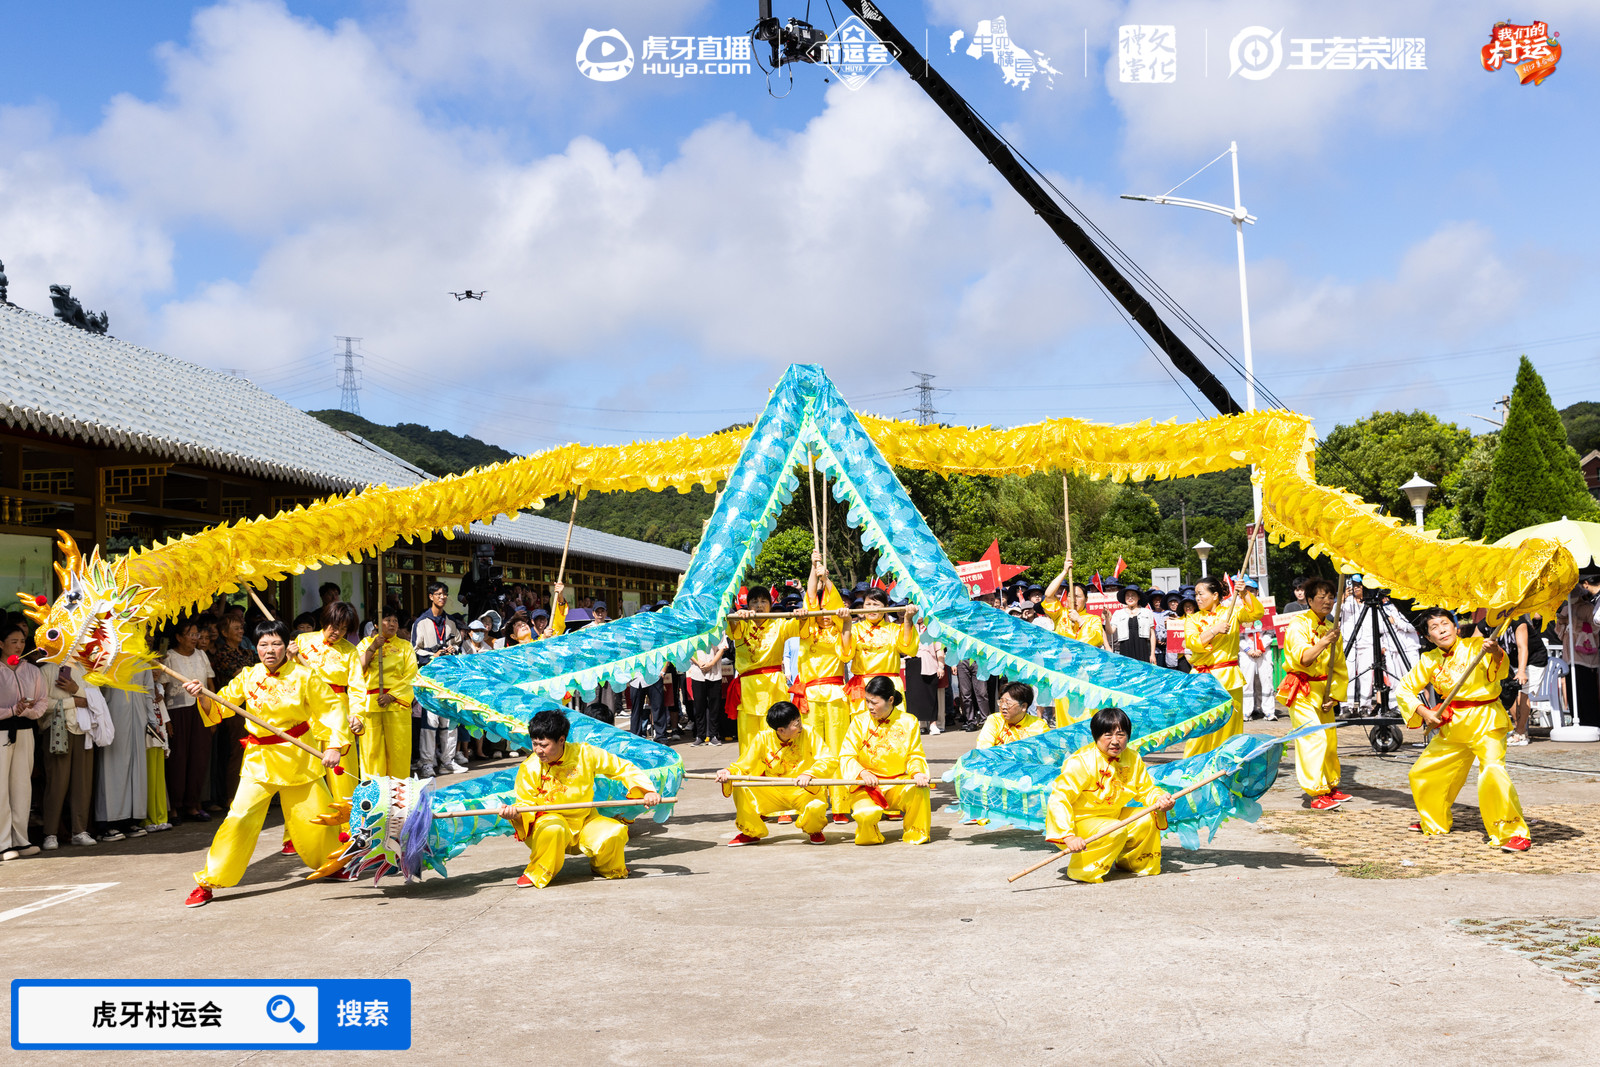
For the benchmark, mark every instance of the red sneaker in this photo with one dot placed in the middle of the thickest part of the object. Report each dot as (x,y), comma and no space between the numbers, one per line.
(287,849)
(785,819)
(838,818)
(743,839)
(1340,795)
(818,839)
(1415,827)
(1324,803)
(199,898)
(1516,844)
(345,875)
(524,882)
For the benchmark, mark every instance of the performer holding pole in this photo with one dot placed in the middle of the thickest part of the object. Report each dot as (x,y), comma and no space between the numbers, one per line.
(1092,794)
(758,662)
(879,644)
(1313,657)
(560,772)
(1074,619)
(385,665)
(275,691)
(784,749)
(826,645)
(1211,637)
(886,743)
(1471,723)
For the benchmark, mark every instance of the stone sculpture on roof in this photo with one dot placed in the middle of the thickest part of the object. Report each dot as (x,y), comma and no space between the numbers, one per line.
(70,311)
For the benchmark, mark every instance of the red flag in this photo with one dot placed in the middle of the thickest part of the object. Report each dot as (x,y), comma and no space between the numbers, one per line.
(1098,588)
(773,593)
(744,597)
(883,583)
(1121,566)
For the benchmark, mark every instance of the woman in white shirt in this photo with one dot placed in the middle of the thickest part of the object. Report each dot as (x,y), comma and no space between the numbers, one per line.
(1133,627)
(188,739)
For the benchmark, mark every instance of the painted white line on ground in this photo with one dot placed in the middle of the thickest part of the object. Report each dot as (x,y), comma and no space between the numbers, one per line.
(63,893)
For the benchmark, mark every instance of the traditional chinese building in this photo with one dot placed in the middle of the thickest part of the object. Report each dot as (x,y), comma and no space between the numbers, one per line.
(122,447)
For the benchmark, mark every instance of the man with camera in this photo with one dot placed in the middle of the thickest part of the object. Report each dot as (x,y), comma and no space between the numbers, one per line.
(436,634)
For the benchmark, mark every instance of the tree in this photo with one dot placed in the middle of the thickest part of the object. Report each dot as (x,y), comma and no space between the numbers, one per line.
(1374,457)
(787,554)
(1465,492)
(1582,422)
(1536,477)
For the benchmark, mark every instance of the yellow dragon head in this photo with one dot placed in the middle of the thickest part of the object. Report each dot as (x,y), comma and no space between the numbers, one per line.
(98,621)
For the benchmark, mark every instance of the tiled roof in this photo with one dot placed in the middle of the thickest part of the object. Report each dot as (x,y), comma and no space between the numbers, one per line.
(61,380)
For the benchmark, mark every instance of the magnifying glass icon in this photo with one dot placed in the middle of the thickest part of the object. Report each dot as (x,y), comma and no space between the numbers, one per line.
(280,1009)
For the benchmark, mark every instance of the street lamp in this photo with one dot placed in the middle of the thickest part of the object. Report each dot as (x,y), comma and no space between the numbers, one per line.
(1203,550)
(1238,216)
(1417,490)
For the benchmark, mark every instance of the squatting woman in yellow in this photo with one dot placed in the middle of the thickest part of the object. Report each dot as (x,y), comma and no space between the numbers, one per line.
(1093,792)
(1314,676)
(1472,726)
(276,690)
(784,749)
(886,743)
(1211,637)
(758,681)
(559,772)
(387,665)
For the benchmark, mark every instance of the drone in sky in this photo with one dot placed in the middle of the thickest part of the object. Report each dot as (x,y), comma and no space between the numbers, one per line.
(470,295)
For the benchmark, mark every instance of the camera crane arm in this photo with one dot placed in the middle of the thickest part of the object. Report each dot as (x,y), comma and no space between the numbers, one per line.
(797,38)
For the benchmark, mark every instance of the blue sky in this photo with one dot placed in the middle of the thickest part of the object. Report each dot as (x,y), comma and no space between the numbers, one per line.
(238,183)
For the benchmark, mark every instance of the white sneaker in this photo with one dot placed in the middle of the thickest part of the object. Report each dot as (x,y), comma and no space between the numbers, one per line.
(50,844)
(461,767)
(113,835)
(157,827)
(137,831)
(1516,739)
(933,728)
(83,839)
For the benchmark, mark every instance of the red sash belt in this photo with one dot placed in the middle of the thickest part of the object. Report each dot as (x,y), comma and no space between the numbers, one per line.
(294,731)
(1449,713)
(1208,668)
(856,688)
(797,691)
(339,688)
(1296,684)
(735,689)
(874,792)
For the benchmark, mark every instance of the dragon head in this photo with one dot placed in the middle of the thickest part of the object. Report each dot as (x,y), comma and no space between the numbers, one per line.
(98,620)
(389,823)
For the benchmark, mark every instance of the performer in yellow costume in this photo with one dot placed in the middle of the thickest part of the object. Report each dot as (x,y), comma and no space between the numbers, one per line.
(1314,675)
(758,682)
(563,773)
(330,659)
(879,646)
(1211,637)
(1076,621)
(555,623)
(1096,783)
(785,749)
(1013,721)
(385,711)
(1472,725)
(886,743)
(826,646)
(276,689)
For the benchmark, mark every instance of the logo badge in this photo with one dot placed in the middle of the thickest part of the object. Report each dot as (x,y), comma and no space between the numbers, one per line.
(1256,52)
(1531,50)
(604,55)
(854,53)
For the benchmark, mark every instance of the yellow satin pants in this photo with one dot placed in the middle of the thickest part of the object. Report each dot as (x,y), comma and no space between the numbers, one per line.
(385,743)
(341,786)
(1136,849)
(1316,756)
(1441,771)
(750,804)
(600,838)
(830,718)
(757,693)
(236,838)
(1232,728)
(916,804)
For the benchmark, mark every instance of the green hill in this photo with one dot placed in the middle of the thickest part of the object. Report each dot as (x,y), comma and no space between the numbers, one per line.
(436,451)
(1582,423)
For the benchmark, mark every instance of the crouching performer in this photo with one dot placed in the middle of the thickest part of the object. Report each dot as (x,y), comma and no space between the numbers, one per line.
(1096,783)
(277,690)
(886,743)
(562,773)
(785,749)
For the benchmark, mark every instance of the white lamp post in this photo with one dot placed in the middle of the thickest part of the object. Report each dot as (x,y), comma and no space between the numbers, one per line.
(1417,490)
(1203,550)
(1238,216)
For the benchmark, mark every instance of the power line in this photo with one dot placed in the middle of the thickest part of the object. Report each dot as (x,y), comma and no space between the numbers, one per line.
(350,379)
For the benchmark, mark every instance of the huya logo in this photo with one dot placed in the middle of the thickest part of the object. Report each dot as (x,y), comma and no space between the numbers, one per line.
(604,55)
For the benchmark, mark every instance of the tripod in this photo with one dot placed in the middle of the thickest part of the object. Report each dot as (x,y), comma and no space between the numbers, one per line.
(1387,733)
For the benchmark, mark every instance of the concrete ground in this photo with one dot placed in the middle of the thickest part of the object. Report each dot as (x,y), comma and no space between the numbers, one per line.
(1254,949)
